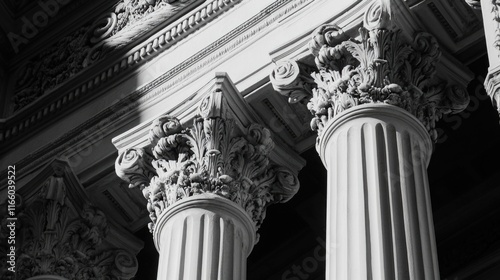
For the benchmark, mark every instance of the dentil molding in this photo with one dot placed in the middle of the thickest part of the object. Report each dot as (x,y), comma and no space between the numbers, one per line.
(74,92)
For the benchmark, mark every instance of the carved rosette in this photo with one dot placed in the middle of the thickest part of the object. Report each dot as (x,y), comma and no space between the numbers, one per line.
(211,156)
(50,242)
(292,81)
(380,66)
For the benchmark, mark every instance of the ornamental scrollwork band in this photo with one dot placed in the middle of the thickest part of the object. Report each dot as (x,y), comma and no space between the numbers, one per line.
(212,156)
(380,66)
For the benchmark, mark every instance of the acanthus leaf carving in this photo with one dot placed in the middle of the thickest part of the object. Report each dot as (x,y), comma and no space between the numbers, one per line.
(380,66)
(213,156)
(51,241)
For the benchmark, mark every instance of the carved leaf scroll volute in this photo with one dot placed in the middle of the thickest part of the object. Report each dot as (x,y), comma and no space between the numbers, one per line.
(212,156)
(379,66)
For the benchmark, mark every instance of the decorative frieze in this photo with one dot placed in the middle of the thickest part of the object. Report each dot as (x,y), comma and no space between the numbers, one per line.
(51,241)
(22,123)
(379,66)
(212,156)
(94,40)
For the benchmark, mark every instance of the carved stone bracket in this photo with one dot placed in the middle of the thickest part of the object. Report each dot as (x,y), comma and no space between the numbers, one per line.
(379,66)
(211,156)
(50,241)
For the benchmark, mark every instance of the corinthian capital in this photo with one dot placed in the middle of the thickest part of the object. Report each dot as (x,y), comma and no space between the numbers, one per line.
(380,65)
(54,238)
(211,156)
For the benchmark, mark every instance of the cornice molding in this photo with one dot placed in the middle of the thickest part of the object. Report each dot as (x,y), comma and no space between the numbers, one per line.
(118,30)
(182,74)
(66,96)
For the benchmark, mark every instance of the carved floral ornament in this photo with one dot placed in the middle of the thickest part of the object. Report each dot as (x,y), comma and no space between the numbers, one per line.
(50,242)
(212,156)
(379,66)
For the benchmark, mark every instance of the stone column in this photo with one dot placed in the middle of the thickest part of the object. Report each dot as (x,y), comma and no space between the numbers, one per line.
(491,20)
(375,101)
(204,237)
(380,217)
(207,187)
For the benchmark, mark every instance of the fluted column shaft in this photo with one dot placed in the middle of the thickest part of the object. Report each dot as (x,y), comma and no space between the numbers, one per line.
(204,237)
(208,186)
(379,217)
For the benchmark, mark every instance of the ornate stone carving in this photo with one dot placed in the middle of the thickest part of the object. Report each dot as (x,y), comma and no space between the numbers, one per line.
(495,9)
(90,43)
(49,241)
(492,86)
(379,66)
(212,156)
(292,81)
(135,167)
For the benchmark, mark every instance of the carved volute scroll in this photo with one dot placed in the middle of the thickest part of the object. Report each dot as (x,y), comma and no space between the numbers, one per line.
(211,156)
(378,66)
(51,241)
(292,81)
